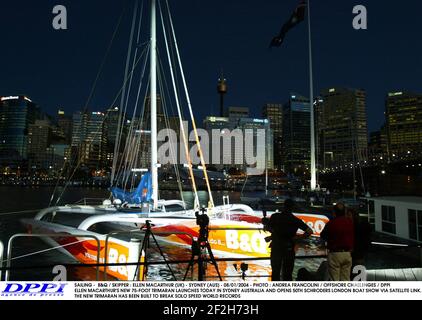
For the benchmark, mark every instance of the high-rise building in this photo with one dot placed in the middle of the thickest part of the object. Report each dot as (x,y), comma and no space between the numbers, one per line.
(238,112)
(378,144)
(80,120)
(274,113)
(228,140)
(64,124)
(297,134)
(16,114)
(343,126)
(39,140)
(174,124)
(404,124)
(112,123)
(90,138)
(145,135)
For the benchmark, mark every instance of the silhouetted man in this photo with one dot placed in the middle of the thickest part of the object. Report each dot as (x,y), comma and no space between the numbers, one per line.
(283,227)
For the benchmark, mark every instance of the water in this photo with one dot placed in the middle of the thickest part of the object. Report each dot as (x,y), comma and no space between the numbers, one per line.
(15,200)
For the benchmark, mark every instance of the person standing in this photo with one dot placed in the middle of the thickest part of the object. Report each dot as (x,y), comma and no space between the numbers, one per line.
(339,235)
(283,227)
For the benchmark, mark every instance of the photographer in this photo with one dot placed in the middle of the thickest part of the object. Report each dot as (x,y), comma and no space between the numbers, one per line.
(283,227)
(203,221)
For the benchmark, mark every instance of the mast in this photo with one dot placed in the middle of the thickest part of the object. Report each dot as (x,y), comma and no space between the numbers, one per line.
(266,167)
(153,103)
(311,83)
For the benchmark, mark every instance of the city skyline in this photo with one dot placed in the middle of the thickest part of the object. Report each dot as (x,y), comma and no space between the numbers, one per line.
(60,73)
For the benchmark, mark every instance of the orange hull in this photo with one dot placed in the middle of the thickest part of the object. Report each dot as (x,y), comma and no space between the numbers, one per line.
(234,238)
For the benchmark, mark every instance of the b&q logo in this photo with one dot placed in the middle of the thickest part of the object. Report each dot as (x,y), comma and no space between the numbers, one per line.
(34,289)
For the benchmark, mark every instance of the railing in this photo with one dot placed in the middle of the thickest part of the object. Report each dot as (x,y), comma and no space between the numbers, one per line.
(131,232)
(56,235)
(105,265)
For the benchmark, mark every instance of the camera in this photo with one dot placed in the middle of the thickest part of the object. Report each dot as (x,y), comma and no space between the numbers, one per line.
(202,220)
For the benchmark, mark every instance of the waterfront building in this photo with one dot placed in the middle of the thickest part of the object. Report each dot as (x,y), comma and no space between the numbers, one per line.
(112,124)
(230,144)
(398,216)
(274,113)
(40,136)
(378,145)
(238,112)
(89,139)
(16,114)
(296,134)
(404,124)
(343,128)
(65,124)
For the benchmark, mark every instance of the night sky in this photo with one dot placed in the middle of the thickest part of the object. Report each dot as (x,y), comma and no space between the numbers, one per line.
(57,68)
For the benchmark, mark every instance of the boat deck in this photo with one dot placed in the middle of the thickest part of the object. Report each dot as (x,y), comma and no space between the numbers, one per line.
(395,275)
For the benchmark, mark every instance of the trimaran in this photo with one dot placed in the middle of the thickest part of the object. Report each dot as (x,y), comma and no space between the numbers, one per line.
(235,228)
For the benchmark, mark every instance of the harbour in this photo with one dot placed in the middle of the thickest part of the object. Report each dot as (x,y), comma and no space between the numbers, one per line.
(379,257)
(141,190)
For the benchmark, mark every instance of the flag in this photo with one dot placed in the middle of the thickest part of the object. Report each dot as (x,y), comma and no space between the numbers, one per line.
(297,17)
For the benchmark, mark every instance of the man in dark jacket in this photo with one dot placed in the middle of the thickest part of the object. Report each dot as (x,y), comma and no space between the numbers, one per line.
(283,227)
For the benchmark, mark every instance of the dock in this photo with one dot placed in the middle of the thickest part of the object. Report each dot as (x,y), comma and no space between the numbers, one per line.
(395,275)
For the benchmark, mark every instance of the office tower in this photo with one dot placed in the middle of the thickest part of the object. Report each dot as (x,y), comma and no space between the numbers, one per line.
(112,123)
(238,112)
(227,139)
(343,126)
(274,113)
(90,138)
(378,144)
(296,134)
(404,124)
(40,136)
(16,114)
(64,124)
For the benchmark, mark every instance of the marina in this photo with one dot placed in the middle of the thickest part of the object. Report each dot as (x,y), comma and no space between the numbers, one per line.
(139,191)
(403,260)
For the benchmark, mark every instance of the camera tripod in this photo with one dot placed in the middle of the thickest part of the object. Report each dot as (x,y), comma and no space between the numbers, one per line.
(201,248)
(144,247)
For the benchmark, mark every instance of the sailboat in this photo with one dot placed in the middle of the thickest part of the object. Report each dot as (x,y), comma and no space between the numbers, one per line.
(102,233)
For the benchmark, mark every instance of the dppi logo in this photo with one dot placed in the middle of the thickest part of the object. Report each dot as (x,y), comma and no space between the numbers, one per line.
(33,289)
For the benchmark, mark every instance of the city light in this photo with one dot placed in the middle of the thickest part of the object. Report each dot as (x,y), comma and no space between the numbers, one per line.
(9,98)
